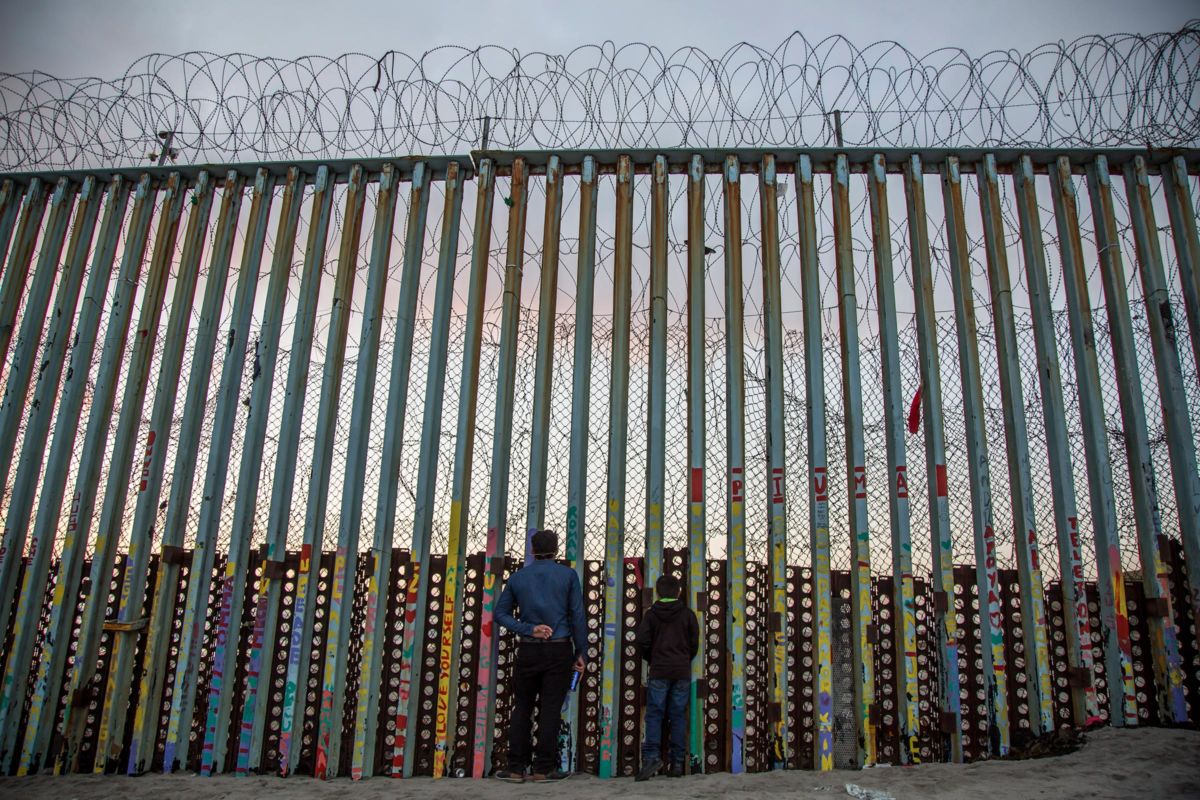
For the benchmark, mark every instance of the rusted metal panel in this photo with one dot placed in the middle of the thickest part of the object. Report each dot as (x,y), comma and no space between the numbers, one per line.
(633,690)
(801,705)
(589,684)
(976,727)
(714,650)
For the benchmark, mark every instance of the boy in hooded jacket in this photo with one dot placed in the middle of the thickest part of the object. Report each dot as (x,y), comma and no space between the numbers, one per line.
(668,639)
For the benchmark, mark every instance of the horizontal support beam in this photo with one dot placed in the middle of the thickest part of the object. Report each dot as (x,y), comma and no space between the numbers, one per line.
(823,158)
(677,161)
(339,169)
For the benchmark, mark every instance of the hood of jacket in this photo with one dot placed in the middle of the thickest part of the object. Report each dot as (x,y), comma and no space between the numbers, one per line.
(667,611)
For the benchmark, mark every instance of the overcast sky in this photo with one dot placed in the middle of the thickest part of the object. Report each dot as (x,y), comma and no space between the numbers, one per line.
(70,38)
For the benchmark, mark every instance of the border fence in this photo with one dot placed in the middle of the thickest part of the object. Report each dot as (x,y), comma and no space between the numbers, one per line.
(917,425)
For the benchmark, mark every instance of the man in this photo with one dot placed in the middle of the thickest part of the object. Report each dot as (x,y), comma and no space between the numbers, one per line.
(552,637)
(669,638)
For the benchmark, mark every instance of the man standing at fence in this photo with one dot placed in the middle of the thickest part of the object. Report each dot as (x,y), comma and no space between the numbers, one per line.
(552,639)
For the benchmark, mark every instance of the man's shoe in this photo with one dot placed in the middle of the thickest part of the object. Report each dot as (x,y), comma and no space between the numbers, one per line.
(556,775)
(649,770)
(676,770)
(509,776)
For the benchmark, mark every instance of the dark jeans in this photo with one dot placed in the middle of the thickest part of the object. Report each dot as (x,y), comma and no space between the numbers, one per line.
(542,680)
(670,698)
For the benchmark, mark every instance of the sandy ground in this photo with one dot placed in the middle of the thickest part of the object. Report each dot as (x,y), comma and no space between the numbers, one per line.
(1145,763)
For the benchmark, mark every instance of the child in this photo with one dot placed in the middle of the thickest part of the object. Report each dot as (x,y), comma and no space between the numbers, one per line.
(669,639)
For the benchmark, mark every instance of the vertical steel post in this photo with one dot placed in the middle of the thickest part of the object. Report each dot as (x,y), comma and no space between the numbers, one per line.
(33,316)
(450,649)
(1075,613)
(977,452)
(618,429)
(941,542)
(145,721)
(904,610)
(237,563)
(656,444)
(866,714)
(544,356)
(818,490)
(111,728)
(16,270)
(1121,696)
(49,367)
(408,710)
(1033,617)
(1164,636)
(581,381)
(581,384)
(1181,445)
(1187,243)
(697,547)
(125,440)
(777,677)
(735,423)
(385,510)
(191,640)
(10,203)
(53,667)
(270,583)
(501,458)
(19,519)
(264,639)
(266,355)
(1058,448)
(20,369)
(1125,359)
(354,486)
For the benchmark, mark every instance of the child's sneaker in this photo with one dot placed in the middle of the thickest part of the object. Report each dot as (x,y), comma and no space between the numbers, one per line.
(556,775)
(649,770)
(509,775)
(676,770)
